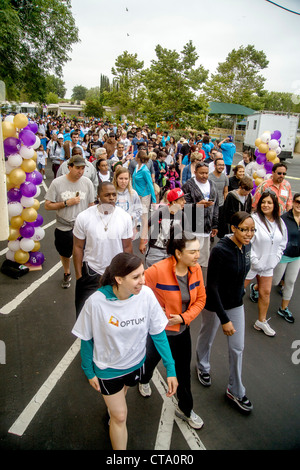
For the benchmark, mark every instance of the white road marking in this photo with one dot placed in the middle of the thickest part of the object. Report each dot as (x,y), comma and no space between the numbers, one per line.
(164,434)
(8,308)
(25,418)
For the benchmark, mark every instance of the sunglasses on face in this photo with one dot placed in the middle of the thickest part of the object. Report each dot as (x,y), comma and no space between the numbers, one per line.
(280,173)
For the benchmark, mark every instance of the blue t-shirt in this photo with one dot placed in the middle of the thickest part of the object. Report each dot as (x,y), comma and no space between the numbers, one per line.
(228,151)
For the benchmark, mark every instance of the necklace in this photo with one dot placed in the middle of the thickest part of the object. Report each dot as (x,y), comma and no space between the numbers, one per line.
(105,224)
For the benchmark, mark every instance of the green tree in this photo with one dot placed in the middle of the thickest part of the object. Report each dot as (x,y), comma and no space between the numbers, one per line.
(238,79)
(173,83)
(79,93)
(126,90)
(36,39)
(93,108)
(55,85)
(51,98)
(279,101)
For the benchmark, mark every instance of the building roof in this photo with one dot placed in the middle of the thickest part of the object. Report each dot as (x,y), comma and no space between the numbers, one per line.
(229,108)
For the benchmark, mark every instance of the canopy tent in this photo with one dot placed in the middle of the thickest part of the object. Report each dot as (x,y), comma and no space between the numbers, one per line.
(232,109)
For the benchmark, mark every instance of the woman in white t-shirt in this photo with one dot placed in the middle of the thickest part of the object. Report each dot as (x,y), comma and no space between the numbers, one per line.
(267,247)
(113,327)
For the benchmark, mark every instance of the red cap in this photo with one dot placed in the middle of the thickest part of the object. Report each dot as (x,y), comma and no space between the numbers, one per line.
(175,194)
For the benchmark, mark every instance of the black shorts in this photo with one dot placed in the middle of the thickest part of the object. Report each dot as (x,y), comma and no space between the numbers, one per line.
(64,242)
(114,385)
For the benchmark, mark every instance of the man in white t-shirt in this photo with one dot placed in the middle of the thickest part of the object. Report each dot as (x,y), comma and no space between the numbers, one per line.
(100,233)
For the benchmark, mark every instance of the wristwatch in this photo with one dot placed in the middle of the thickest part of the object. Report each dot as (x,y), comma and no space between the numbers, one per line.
(65,202)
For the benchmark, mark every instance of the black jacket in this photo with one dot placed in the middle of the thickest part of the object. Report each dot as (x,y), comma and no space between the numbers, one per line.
(293,245)
(226,273)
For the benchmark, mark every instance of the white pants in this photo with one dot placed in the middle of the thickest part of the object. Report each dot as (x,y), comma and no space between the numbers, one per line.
(209,325)
(290,271)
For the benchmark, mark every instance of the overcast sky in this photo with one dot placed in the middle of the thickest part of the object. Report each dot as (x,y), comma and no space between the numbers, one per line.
(215,28)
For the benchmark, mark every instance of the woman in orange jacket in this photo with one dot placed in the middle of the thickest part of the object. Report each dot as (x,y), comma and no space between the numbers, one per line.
(177,283)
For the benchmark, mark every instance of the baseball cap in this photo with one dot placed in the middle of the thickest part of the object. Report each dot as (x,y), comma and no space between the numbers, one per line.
(60,136)
(175,194)
(77,160)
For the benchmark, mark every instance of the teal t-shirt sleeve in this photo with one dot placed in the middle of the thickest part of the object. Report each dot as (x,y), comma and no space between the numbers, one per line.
(162,345)
(86,352)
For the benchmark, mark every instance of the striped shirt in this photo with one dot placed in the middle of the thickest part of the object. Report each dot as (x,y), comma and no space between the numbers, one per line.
(283,193)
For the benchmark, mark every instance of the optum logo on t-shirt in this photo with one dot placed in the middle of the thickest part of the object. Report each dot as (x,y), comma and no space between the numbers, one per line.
(135,321)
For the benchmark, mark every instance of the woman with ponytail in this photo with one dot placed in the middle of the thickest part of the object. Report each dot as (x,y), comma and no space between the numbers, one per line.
(113,327)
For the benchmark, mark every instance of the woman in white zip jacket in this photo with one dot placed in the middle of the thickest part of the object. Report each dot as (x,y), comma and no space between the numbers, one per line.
(267,247)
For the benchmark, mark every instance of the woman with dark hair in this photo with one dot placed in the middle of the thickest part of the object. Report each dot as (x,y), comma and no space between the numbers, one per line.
(228,265)
(113,327)
(268,245)
(177,283)
(289,265)
(238,174)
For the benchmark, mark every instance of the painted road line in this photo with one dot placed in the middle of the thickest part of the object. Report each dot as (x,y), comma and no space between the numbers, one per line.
(164,434)
(25,418)
(8,308)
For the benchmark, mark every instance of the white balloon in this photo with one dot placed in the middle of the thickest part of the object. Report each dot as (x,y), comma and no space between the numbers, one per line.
(39,234)
(38,191)
(278,151)
(13,245)
(27,201)
(261,173)
(265,137)
(14,208)
(26,152)
(37,143)
(10,255)
(273,144)
(26,244)
(8,167)
(15,160)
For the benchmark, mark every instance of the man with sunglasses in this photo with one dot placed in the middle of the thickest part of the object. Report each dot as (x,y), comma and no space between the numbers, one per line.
(278,185)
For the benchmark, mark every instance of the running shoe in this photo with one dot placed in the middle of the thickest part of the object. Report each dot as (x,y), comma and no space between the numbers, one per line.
(145,390)
(193,420)
(265,327)
(66,283)
(203,377)
(286,314)
(243,403)
(253,294)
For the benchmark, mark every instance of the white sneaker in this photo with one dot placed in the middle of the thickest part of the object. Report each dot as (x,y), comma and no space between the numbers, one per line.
(145,390)
(265,327)
(194,420)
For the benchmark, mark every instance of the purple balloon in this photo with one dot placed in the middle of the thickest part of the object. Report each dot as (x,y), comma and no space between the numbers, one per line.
(38,221)
(36,258)
(14,195)
(32,126)
(260,159)
(34,177)
(268,166)
(276,135)
(27,231)
(11,145)
(28,137)
(28,189)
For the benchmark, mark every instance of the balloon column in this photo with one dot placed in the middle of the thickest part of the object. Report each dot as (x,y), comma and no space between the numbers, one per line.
(23,180)
(266,153)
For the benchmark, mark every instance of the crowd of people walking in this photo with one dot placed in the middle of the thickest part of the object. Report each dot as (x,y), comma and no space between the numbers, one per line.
(205,235)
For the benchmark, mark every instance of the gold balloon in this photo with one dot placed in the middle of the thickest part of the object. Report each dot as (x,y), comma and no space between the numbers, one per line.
(37,246)
(271,155)
(20,121)
(258,142)
(16,222)
(28,165)
(17,176)
(21,256)
(8,129)
(36,204)
(29,214)
(34,157)
(13,234)
(258,181)
(263,148)
(276,160)
(254,175)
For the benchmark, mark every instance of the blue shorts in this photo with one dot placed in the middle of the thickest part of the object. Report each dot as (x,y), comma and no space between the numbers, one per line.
(114,385)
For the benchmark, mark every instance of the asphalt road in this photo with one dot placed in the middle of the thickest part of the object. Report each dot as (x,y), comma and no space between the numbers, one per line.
(47,404)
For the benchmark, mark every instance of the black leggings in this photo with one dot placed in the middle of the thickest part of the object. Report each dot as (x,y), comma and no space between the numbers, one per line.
(181,348)
(86,285)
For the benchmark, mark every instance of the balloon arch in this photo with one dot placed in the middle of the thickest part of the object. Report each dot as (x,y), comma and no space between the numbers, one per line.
(23,179)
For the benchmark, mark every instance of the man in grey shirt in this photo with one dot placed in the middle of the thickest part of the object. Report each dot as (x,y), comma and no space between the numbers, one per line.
(69,195)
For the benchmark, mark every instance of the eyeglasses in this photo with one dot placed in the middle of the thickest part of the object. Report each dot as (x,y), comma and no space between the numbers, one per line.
(297,201)
(280,173)
(246,230)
